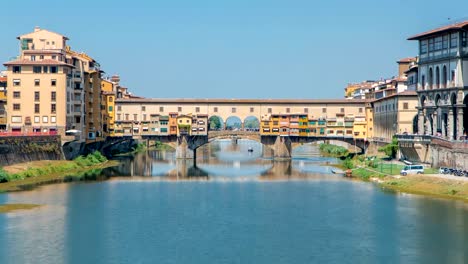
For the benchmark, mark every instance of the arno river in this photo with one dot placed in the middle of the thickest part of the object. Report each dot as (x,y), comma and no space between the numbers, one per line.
(233,207)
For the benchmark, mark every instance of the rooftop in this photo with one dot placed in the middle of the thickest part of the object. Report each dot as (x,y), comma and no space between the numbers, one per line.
(239,101)
(40,62)
(451,27)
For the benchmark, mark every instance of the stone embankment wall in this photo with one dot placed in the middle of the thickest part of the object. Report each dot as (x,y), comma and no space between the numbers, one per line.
(19,149)
(107,147)
(449,154)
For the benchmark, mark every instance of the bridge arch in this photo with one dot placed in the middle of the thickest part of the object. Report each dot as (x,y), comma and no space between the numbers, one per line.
(252,123)
(215,123)
(233,123)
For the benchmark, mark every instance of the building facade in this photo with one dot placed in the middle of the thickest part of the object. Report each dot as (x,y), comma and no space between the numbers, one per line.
(442,82)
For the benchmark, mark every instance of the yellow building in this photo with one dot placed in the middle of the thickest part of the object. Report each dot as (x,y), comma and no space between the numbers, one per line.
(303,125)
(184,125)
(265,125)
(108,107)
(360,127)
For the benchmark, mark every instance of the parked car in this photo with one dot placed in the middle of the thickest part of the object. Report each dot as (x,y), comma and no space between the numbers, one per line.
(412,169)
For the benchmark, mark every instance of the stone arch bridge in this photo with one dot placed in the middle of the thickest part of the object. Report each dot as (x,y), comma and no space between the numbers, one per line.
(282,146)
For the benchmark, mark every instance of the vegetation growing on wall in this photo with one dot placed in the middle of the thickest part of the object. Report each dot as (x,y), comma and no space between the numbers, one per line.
(390,149)
(334,150)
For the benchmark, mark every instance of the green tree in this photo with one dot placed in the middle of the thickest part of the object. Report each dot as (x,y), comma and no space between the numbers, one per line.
(390,149)
(251,123)
(215,123)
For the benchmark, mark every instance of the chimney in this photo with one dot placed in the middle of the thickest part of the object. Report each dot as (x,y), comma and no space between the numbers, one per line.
(37,28)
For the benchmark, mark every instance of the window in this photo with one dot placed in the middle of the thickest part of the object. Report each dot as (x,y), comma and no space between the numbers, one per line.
(111,108)
(360,109)
(37,108)
(16,119)
(453,40)
(306,110)
(53,56)
(143,108)
(45,119)
(270,110)
(16,82)
(45,69)
(161,109)
(16,94)
(111,99)
(324,110)
(53,69)
(53,82)
(127,117)
(37,96)
(342,110)
(53,108)
(53,119)
(135,117)
(16,107)
(445,42)
(197,109)
(53,96)
(33,58)
(119,108)
(251,109)
(233,110)
(215,109)
(37,82)
(438,43)
(37,119)
(41,57)
(144,117)
(423,47)
(179,109)
(119,116)
(423,82)
(405,105)
(431,44)
(37,69)
(16,69)
(288,110)
(464,39)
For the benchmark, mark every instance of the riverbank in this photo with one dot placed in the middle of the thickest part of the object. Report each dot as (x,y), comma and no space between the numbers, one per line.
(24,176)
(429,185)
(8,208)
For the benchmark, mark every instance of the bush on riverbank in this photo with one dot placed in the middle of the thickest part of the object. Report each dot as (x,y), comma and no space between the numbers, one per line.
(334,150)
(80,162)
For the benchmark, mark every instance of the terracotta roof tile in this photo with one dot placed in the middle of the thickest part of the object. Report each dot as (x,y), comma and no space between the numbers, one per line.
(454,26)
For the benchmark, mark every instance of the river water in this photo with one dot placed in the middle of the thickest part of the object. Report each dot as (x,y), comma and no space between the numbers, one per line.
(232,207)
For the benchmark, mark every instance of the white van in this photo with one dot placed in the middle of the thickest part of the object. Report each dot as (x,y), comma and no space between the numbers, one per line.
(412,169)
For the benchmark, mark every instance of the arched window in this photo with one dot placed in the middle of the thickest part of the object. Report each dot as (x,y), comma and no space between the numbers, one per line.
(423,82)
(444,77)
(431,78)
(437,78)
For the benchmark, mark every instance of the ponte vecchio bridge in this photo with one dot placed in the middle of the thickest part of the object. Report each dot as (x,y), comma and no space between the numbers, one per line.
(284,123)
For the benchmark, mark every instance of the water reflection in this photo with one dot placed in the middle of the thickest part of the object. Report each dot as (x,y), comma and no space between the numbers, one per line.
(225,159)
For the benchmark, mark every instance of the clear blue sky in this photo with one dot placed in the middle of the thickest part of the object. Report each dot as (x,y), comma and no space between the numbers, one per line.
(238,48)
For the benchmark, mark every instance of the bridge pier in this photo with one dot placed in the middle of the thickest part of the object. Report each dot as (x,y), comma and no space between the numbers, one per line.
(187,146)
(281,146)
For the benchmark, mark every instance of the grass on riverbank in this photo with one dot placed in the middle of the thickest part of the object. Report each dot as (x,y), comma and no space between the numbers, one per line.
(425,185)
(7,208)
(15,177)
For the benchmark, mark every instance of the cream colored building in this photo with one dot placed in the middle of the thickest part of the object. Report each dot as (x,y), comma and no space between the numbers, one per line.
(395,114)
(134,110)
(47,86)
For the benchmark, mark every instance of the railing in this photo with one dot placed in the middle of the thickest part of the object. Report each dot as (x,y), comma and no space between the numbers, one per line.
(426,139)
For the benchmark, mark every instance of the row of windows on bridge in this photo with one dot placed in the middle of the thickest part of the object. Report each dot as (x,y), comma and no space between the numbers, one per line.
(234,109)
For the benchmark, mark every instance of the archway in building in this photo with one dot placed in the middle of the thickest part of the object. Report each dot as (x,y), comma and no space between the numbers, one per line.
(465,116)
(415,124)
(453,102)
(431,79)
(215,123)
(233,123)
(251,123)
(439,115)
(444,77)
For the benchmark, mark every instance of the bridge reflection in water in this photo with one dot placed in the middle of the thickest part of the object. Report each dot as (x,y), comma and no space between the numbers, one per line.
(225,160)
